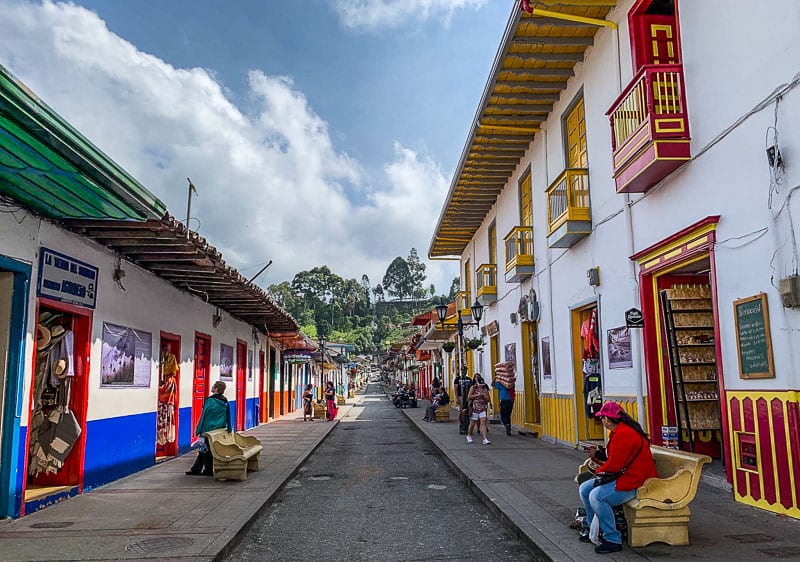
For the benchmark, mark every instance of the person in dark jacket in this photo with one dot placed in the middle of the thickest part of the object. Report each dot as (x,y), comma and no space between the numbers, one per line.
(628,452)
(216,415)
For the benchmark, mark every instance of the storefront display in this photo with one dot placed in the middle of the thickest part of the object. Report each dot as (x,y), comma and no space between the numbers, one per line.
(689,326)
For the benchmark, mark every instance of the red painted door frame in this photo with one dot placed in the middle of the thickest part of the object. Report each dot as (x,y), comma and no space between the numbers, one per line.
(262,396)
(73,471)
(202,376)
(173,342)
(241,383)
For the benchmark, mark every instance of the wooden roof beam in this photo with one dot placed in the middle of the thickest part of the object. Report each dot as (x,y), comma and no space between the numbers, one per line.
(554,41)
(533,84)
(547,57)
(560,72)
(529,108)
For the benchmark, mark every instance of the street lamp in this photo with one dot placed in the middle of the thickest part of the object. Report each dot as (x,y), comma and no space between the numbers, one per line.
(477,313)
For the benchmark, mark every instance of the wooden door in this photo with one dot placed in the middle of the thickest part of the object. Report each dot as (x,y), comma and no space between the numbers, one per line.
(262,396)
(241,383)
(202,375)
(525,202)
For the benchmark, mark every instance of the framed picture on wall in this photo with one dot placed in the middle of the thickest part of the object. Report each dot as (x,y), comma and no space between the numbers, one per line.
(225,362)
(547,372)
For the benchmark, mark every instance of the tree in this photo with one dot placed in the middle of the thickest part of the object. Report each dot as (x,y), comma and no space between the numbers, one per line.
(397,280)
(455,287)
(416,270)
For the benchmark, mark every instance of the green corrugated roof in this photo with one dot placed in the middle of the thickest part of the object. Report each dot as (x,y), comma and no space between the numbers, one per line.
(48,166)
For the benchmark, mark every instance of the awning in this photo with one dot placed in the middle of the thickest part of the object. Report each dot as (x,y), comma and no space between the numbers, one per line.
(190,264)
(535,60)
(50,168)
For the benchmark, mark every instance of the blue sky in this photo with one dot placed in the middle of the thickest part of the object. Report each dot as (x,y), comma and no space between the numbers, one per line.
(317,131)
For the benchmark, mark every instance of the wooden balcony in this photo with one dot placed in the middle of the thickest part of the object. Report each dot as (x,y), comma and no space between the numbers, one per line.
(649,128)
(519,254)
(464,304)
(568,213)
(486,276)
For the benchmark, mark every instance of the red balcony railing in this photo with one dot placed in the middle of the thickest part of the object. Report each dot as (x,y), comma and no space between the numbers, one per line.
(650,110)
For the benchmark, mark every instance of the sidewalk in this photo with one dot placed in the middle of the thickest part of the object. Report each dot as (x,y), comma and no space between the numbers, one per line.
(161,513)
(528,483)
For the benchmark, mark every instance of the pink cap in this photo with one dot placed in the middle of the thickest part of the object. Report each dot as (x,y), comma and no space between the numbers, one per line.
(610,410)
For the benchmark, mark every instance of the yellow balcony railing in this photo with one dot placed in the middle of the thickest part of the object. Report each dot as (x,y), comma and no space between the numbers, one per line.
(464,304)
(519,247)
(568,198)
(486,277)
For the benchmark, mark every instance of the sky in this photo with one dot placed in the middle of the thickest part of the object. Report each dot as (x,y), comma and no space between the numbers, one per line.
(317,132)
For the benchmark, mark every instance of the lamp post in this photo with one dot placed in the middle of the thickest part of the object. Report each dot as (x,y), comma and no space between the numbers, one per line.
(477,313)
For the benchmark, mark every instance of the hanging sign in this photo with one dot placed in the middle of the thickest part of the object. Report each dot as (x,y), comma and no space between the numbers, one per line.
(634,318)
(66,279)
(492,328)
(753,339)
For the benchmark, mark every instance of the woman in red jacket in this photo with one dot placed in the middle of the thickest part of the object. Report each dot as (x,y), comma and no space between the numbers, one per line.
(629,453)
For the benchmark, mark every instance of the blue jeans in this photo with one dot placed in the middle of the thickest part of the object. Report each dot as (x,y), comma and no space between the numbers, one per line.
(600,501)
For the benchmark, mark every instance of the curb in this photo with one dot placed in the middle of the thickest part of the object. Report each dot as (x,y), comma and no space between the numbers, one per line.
(232,542)
(507,521)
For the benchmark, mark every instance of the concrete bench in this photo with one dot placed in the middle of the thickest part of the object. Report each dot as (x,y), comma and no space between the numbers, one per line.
(443,413)
(660,511)
(234,454)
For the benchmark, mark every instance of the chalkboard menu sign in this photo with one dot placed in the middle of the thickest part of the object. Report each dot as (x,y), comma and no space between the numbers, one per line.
(753,340)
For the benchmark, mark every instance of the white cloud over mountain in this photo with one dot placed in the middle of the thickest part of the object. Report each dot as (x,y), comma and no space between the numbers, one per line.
(272,184)
(379,14)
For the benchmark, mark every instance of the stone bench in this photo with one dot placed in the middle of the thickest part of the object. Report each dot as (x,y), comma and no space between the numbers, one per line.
(233,453)
(660,511)
(443,413)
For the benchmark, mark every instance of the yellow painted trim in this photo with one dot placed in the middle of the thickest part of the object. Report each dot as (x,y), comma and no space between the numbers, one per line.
(696,243)
(648,258)
(660,128)
(571,17)
(645,137)
(509,128)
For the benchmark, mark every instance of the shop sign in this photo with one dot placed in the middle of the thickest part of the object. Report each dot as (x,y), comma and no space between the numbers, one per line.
(634,318)
(492,328)
(66,279)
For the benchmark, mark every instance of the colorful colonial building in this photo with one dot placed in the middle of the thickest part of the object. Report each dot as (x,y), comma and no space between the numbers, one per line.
(114,320)
(625,208)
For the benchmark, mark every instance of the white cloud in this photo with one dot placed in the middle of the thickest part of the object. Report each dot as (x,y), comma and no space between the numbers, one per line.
(271,183)
(378,14)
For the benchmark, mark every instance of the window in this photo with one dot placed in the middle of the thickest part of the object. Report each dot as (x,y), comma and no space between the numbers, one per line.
(575,136)
(467,284)
(525,202)
(493,243)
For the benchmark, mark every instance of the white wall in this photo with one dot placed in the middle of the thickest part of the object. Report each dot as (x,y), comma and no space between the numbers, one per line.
(147,303)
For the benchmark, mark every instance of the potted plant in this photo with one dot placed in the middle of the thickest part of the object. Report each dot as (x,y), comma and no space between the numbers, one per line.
(448,346)
(474,343)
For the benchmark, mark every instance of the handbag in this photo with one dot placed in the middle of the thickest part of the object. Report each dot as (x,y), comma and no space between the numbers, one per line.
(602,478)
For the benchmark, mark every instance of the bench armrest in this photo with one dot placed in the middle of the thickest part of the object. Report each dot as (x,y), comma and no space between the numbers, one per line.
(674,492)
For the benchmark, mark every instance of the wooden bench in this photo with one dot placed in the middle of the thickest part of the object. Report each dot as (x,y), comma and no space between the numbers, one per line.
(443,413)
(660,511)
(234,454)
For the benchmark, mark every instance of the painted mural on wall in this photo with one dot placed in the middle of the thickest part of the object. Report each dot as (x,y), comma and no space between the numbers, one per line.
(126,356)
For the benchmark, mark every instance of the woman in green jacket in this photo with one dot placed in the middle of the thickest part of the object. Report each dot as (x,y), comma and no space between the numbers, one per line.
(216,415)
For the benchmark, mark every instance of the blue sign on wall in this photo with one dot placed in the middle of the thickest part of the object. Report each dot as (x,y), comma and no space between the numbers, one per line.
(66,279)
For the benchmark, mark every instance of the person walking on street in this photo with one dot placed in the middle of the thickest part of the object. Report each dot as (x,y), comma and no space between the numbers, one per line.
(463,384)
(629,464)
(216,414)
(479,394)
(330,400)
(507,396)
(308,412)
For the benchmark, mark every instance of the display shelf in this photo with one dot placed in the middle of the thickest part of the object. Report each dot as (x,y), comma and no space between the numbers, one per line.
(696,408)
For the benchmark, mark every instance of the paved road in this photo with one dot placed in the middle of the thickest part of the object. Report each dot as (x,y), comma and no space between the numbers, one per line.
(376,490)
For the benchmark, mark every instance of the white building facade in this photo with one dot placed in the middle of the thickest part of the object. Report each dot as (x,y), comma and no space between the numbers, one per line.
(618,163)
